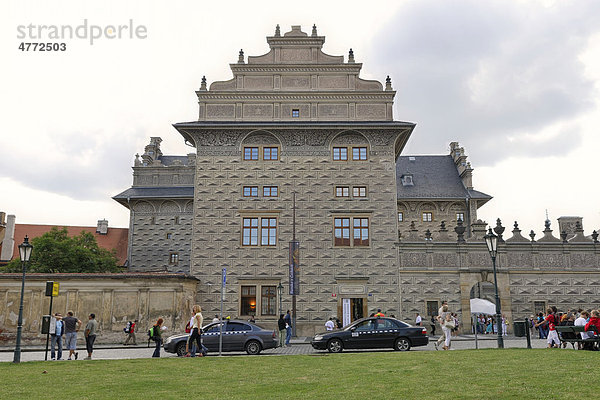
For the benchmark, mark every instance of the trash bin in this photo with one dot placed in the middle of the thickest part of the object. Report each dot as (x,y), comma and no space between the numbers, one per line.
(519,328)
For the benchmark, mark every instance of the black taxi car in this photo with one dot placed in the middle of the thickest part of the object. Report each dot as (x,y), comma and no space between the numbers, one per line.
(372,333)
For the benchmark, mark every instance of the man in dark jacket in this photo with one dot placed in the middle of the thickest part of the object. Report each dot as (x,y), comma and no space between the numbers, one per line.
(282,330)
(288,327)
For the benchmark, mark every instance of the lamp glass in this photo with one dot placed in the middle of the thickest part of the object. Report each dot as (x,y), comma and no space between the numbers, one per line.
(491,242)
(25,249)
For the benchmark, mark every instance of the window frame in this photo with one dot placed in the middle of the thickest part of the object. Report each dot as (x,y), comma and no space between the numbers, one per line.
(295,113)
(428,214)
(248,296)
(360,153)
(354,195)
(342,191)
(252,235)
(270,188)
(461,214)
(251,153)
(271,149)
(268,300)
(345,225)
(251,190)
(400,216)
(260,152)
(174,258)
(340,150)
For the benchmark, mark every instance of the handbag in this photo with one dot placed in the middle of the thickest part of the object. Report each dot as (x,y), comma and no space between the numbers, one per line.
(449,324)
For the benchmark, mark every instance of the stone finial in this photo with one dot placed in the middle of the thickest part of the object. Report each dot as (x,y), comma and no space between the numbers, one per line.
(137,161)
(595,236)
(548,238)
(277,31)
(547,224)
(516,234)
(499,230)
(241,57)
(443,235)
(563,236)
(532,235)
(460,231)
(413,235)
(350,56)
(203,83)
(578,227)
(428,235)
(388,83)
(443,226)
(314,30)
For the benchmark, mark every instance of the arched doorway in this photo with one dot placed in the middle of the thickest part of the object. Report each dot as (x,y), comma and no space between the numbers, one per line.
(483,323)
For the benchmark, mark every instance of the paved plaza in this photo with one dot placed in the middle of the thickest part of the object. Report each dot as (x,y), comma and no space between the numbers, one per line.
(299,346)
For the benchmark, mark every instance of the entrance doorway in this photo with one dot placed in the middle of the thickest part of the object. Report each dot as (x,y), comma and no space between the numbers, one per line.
(352,309)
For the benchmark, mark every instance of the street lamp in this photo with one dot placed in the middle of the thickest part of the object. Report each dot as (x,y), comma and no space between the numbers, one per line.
(491,241)
(24,252)
(279,292)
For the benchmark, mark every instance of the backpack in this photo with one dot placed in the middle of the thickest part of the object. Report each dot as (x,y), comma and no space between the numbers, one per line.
(127,328)
(151,335)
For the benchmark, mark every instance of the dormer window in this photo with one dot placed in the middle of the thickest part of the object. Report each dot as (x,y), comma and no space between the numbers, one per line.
(407,180)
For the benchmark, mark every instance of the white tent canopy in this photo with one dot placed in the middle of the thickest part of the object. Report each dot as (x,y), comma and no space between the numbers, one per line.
(481,306)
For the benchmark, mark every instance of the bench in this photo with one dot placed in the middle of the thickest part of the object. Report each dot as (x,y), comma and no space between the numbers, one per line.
(572,334)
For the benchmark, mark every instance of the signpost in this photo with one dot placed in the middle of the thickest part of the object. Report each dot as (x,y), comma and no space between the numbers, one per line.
(223,283)
(52,292)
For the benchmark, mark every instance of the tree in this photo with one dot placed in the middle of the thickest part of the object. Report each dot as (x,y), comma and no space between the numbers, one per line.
(55,251)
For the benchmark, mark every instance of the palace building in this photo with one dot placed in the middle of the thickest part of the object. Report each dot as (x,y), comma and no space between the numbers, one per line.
(298,136)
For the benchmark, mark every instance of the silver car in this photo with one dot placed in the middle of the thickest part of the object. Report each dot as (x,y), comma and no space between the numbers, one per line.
(237,336)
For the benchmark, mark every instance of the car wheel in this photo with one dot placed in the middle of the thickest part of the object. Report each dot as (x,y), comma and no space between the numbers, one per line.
(253,347)
(335,346)
(402,344)
(180,348)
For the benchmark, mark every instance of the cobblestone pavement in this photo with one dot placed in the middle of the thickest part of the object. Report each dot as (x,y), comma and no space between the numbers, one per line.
(299,346)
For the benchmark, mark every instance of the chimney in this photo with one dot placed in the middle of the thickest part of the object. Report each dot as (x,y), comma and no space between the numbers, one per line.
(102,228)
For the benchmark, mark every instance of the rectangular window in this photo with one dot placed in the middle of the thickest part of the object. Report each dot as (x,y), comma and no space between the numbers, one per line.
(176,220)
(250,191)
(427,217)
(270,153)
(340,154)
(400,217)
(268,300)
(342,231)
(460,216)
(270,191)
(295,113)
(361,232)
(250,232)
(359,191)
(251,153)
(432,308)
(342,191)
(359,153)
(268,231)
(248,300)
(174,258)
(169,235)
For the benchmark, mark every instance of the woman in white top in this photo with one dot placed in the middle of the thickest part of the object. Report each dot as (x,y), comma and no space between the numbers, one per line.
(197,329)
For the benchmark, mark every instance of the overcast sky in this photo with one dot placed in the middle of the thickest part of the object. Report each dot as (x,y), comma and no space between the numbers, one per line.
(516,83)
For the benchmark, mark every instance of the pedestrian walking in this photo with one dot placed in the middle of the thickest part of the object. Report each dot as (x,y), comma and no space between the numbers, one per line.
(130,331)
(72,325)
(432,325)
(442,312)
(56,337)
(90,335)
(197,323)
(282,330)
(447,326)
(288,327)
(157,337)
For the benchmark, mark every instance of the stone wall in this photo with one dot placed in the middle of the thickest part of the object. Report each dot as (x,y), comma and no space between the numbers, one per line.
(114,298)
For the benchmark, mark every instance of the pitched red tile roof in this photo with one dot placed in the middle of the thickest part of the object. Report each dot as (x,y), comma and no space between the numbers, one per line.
(116,238)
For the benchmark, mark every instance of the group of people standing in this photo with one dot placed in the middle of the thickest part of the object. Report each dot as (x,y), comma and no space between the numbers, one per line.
(284,324)
(66,329)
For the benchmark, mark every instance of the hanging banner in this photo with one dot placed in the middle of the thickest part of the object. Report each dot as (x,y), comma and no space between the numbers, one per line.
(294,267)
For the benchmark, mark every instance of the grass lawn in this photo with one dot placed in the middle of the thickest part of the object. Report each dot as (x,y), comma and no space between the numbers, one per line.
(466,374)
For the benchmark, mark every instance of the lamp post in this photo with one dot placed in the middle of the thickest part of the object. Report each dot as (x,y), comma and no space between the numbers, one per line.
(279,293)
(24,253)
(491,242)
